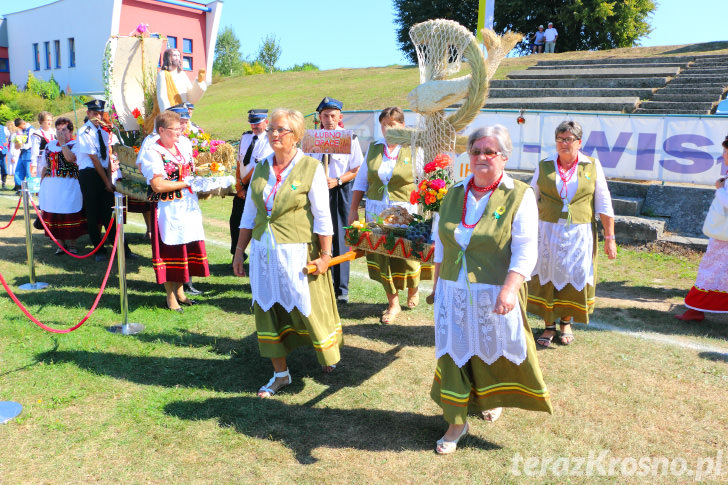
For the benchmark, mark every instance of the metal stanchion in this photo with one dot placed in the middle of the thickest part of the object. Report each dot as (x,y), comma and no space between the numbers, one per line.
(33,285)
(8,410)
(125,328)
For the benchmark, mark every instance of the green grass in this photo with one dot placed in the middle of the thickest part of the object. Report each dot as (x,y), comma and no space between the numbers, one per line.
(177,402)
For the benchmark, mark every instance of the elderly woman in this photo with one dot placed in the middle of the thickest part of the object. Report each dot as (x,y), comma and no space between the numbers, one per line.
(178,239)
(387,177)
(60,194)
(485,249)
(710,292)
(570,188)
(287,217)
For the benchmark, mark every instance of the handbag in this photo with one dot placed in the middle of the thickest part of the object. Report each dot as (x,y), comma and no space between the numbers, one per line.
(716,222)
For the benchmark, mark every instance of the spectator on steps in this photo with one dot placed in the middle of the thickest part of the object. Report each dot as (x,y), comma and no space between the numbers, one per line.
(538,40)
(550,37)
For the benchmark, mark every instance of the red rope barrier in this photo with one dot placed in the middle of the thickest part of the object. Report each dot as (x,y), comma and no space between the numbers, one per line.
(14,214)
(83,320)
(103,240)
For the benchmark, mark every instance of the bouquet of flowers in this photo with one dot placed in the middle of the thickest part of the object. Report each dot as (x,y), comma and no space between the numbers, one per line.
(432,189)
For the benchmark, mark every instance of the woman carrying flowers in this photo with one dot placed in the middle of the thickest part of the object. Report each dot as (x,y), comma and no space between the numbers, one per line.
(485,249)
(387,178)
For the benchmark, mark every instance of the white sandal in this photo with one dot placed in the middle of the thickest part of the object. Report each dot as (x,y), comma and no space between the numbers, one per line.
(267,388)
(492,415)
(445,447)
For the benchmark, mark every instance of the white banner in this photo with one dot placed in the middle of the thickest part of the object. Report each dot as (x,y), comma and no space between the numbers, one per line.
(680,149)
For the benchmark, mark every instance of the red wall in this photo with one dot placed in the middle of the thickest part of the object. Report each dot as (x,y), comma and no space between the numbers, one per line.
(4,76)
(169,20)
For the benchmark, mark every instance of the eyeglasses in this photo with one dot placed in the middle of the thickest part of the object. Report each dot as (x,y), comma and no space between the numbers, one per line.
(281,131)
(568,140)
(488,153)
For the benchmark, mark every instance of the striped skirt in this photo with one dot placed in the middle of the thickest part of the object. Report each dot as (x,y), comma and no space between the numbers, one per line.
(65,226)
(396,274)
(178,262)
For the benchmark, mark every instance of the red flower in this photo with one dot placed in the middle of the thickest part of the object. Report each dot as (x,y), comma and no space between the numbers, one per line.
(136,113)
(413,196)
(442,160)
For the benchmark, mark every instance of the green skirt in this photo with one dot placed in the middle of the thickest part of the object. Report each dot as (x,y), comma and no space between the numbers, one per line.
(477,386)
(279,332)
(396,274)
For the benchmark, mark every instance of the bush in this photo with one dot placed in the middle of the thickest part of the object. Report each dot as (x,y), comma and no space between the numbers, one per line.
(45,89)
(306,66)
(250,68)
(7,113)
(38,96)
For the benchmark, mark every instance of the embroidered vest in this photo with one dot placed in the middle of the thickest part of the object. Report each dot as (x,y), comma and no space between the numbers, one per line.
(488,255)
(551,205)
(173,174)
(291,219)
(402,182)
(58,166)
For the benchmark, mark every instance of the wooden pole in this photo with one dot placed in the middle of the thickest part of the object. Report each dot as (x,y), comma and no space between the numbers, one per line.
(349,256)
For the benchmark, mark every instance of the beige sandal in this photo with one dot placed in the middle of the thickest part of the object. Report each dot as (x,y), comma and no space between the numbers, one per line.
(412,301)
(389,317)
(492,415)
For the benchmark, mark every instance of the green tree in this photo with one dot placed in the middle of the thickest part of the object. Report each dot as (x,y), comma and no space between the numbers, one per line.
(228,58)
(269,52)
(582,24)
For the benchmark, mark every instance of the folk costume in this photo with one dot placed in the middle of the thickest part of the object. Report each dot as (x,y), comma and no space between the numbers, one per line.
(22,167)
(485,360)
(562,284)
(178,238)
(60,193)
(39,139)
(387,178)
(710,292)
(287,214)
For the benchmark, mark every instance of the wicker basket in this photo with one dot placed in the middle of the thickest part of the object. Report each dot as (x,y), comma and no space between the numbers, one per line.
(126,155)
(378,241)
(132,188)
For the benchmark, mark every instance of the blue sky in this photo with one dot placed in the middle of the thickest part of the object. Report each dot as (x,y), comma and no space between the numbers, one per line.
(342,33)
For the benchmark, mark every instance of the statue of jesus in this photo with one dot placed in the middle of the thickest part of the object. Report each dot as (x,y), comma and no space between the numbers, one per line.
(173,85)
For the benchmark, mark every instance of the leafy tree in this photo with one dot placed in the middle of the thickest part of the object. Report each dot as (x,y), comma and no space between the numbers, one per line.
(228,59)
(269,52)
(306,66)
(582,24)
(411,12)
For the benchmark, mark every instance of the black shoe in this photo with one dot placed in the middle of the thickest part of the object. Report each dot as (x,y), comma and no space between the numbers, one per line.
(192,290)
(342,298)
(189,302)
(178,310)
(130,255)
(100,257)
(37,224)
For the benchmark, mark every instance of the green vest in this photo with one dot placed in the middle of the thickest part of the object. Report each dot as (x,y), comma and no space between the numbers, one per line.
(581,207)
(291,219)
(402,182)
(488,255)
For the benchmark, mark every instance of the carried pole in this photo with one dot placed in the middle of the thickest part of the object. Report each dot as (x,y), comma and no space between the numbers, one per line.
(125,328)
(32,285)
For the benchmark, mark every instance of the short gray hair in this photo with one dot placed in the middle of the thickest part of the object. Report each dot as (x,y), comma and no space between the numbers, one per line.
(499,132)
(570,127)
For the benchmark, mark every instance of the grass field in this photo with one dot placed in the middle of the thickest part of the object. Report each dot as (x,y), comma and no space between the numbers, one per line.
(177,402)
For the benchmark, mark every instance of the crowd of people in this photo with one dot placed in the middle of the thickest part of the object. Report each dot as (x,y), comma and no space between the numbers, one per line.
(502,247)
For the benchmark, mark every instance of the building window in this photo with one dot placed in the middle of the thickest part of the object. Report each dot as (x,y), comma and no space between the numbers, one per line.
(57,52)
(186,63)
(71,52)
(36,57)
(187,46)
(171,42)
(47,46)
(4,64)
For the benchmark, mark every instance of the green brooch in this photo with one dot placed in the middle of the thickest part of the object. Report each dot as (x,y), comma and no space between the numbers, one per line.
(295,184)
(499,212)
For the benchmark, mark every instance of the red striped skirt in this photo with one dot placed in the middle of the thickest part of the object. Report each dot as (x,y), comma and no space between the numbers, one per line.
(178,262)
(65,226)
(138,206)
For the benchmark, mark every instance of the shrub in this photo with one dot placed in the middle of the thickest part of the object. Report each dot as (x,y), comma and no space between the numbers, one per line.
(250,68)
(45,89)
(306,66)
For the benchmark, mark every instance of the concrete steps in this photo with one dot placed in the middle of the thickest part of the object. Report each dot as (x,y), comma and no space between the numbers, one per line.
(568,73)
(595,83)
(705,107)
(656,111)
(628,206)
(618,104)
(684,97)
(569,92)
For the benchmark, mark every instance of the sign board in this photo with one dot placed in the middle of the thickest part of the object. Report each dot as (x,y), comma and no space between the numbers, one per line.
(683,149)
(327,141)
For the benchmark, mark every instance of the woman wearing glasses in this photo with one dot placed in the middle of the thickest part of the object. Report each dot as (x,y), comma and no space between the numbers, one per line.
(178,239)
(387,177)
(571,189)
(485,250)
(287,221)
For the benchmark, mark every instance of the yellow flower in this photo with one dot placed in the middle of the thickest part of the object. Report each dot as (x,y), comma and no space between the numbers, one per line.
(439,195)
(443,190)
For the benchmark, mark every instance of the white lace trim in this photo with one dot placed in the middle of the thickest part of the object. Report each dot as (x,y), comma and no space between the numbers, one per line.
(713,269)
(276,276)
(465,325)
(565,254)
(208,184)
